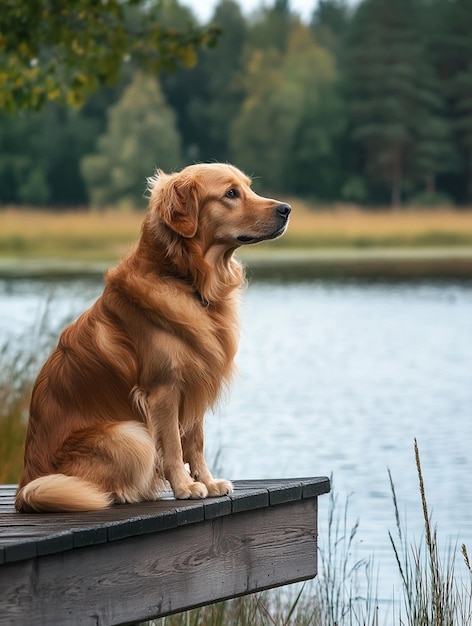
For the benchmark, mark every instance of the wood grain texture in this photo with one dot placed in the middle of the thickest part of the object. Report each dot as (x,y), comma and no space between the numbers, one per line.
(136,562)
(153,575)
(24,536)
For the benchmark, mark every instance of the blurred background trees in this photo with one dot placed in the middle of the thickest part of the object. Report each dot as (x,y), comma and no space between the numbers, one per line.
(370,103)
(141,131)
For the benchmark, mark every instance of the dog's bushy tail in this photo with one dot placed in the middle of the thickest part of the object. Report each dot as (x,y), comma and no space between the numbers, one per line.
(60,493)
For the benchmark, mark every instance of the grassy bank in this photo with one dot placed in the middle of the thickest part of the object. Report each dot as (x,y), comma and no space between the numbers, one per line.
(91,236)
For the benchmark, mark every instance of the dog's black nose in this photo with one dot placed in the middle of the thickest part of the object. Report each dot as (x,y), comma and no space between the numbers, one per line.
(284,210)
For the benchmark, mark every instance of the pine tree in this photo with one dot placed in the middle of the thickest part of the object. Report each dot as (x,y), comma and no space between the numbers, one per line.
(453,64)
(395,106)
(462,91)
(271,29)
(329,24)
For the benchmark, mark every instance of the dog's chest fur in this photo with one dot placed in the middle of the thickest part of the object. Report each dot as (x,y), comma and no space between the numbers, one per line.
(179,344)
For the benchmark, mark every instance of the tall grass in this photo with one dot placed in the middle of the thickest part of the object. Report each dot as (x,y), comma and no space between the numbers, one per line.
(433,595)
(15,385)
(341,577)
(20,361)
(260,609)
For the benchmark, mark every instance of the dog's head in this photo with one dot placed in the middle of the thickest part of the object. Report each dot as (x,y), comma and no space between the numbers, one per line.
(214,204)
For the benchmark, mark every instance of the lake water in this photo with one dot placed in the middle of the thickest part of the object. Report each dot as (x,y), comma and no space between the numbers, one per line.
(335,378)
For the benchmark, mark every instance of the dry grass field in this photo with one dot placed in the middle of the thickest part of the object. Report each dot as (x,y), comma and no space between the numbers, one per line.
(355,228)
(80,235)
(104,236)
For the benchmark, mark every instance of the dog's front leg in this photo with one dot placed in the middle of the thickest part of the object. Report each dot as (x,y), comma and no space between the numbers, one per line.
(165,417)
(193,453)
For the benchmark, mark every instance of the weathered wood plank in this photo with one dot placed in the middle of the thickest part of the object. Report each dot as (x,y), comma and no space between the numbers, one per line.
(156,574)
(28,532)
(135,562)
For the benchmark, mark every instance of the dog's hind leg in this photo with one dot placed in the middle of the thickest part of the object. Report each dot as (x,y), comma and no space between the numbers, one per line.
(118,457)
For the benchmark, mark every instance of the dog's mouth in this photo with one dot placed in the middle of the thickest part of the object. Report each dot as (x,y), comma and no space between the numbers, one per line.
(281,213)
(258,238)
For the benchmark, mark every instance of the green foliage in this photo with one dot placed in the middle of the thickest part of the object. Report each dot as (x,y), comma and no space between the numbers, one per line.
(208,97)
(222,68)
(290,114)
(395,106)
(272,27)
(451,53)
(330,23)
(18,368)
(141,135)
(315,166)
(35,189)
(371,104)
(65,51)
(430,199)
(40,154)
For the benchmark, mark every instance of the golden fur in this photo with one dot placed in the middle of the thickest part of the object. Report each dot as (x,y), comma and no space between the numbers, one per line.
(118,407)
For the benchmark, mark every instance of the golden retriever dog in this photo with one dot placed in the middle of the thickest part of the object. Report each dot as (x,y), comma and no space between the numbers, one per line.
(118,408)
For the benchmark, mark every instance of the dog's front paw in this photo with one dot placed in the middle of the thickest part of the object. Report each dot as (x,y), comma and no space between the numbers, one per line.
(219,487)
(192,491)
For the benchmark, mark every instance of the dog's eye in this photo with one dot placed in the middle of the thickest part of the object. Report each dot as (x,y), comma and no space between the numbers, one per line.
(232,193)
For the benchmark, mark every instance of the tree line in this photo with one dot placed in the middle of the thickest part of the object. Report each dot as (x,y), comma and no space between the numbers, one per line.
(371,104)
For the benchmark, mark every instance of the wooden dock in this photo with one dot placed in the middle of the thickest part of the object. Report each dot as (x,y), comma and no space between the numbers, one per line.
(132,563)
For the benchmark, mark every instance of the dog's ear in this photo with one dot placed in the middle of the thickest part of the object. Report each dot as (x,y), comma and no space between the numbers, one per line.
(175,198)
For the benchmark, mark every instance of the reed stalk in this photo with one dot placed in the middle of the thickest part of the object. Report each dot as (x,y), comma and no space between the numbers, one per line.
(433,595)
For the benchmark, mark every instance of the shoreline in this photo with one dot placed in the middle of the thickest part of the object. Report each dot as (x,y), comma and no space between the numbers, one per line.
(453,262)
(387,263)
